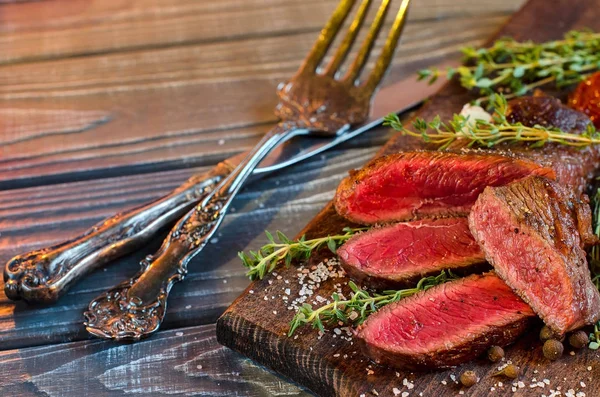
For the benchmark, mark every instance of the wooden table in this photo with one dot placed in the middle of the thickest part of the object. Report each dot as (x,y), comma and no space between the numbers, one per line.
(106,104)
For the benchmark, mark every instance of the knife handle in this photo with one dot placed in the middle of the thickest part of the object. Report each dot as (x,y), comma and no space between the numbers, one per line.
(44,275)
(135,309)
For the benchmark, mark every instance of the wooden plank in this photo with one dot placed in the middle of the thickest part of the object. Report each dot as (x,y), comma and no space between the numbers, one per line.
(331,364)
(184,362)
(157,109)
(43,30)
(41,216)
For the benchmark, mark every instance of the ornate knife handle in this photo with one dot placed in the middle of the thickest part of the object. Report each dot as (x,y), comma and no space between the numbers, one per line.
(136,308)
(45,275)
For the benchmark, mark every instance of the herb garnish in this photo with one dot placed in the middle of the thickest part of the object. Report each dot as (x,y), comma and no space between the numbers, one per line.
(490,133)
(595,267)
(355,310)
(518,67)
(264,261)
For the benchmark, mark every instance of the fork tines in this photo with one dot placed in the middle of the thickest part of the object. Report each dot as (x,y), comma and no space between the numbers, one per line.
(333,27)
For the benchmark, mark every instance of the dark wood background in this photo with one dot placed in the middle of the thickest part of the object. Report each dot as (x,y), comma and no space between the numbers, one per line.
(105,104)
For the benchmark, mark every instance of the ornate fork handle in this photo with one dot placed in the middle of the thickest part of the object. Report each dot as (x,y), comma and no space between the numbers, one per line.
(44,275)
(136,307)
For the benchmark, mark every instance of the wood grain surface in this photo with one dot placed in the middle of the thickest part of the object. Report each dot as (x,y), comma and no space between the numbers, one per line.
(331,364)
(106,104)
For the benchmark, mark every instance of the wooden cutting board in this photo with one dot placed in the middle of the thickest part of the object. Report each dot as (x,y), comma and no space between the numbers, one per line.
(257,322)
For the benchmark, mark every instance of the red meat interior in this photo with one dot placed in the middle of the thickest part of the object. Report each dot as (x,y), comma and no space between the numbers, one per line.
(431,184)
(450,314)
(527,262)
(413,247)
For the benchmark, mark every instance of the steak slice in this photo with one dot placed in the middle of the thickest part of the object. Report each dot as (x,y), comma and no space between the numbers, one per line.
(401,254)
(429,184)
(445,325)
(405,185)
(533,233)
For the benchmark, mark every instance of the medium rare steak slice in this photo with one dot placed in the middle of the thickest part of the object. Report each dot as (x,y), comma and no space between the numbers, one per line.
(533,233)
(404,185)
(399,255)
(429,184)
(445,325)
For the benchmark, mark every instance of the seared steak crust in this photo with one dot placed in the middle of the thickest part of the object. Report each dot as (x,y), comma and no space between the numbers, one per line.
(573,167)
(399,255)
(446,325)
(533,233)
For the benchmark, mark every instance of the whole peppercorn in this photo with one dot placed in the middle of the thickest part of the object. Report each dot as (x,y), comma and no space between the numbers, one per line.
(468,378)
(579,339)
(546,333)
(510,371)
(495,354)
(553,349)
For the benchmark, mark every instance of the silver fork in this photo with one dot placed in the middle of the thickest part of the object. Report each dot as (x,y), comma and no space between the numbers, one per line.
(312,102)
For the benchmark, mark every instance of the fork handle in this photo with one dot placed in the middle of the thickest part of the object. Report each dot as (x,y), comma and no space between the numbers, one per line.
(135,308)
(43,275)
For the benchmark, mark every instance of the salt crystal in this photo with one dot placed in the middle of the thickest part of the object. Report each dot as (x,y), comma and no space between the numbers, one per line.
(199,366)
(546,381)
(395,391)
(520,384)
(589,368)
(221,142)
(274,311)
(405,394)
(444,382)
(582,384)
(188,307)
(178,333)
(251,291)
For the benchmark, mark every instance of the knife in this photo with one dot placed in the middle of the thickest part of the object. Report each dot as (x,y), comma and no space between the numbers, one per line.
(46,274)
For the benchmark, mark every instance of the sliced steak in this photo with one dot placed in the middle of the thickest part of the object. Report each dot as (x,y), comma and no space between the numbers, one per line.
(533,233)
(432,184)
(445,325)
(399,255)
(405,185)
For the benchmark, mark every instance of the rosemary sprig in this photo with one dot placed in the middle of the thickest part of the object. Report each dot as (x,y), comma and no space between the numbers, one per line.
(518,67)
(490,133)
(264,261)
(356,309)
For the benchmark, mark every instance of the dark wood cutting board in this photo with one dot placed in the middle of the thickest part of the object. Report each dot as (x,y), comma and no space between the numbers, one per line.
(256,323)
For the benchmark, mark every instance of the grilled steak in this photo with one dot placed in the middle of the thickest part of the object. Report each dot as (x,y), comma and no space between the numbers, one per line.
(428,184)
(445,325)
(404,185)
(533,233)
(399,255)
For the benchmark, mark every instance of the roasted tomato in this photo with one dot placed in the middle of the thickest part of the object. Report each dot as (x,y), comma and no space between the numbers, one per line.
(586,98)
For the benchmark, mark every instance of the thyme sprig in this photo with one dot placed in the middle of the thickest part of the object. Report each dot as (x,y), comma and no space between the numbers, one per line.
(285,250)
(355,310)
(490,133)
(595,266)
(516,68)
